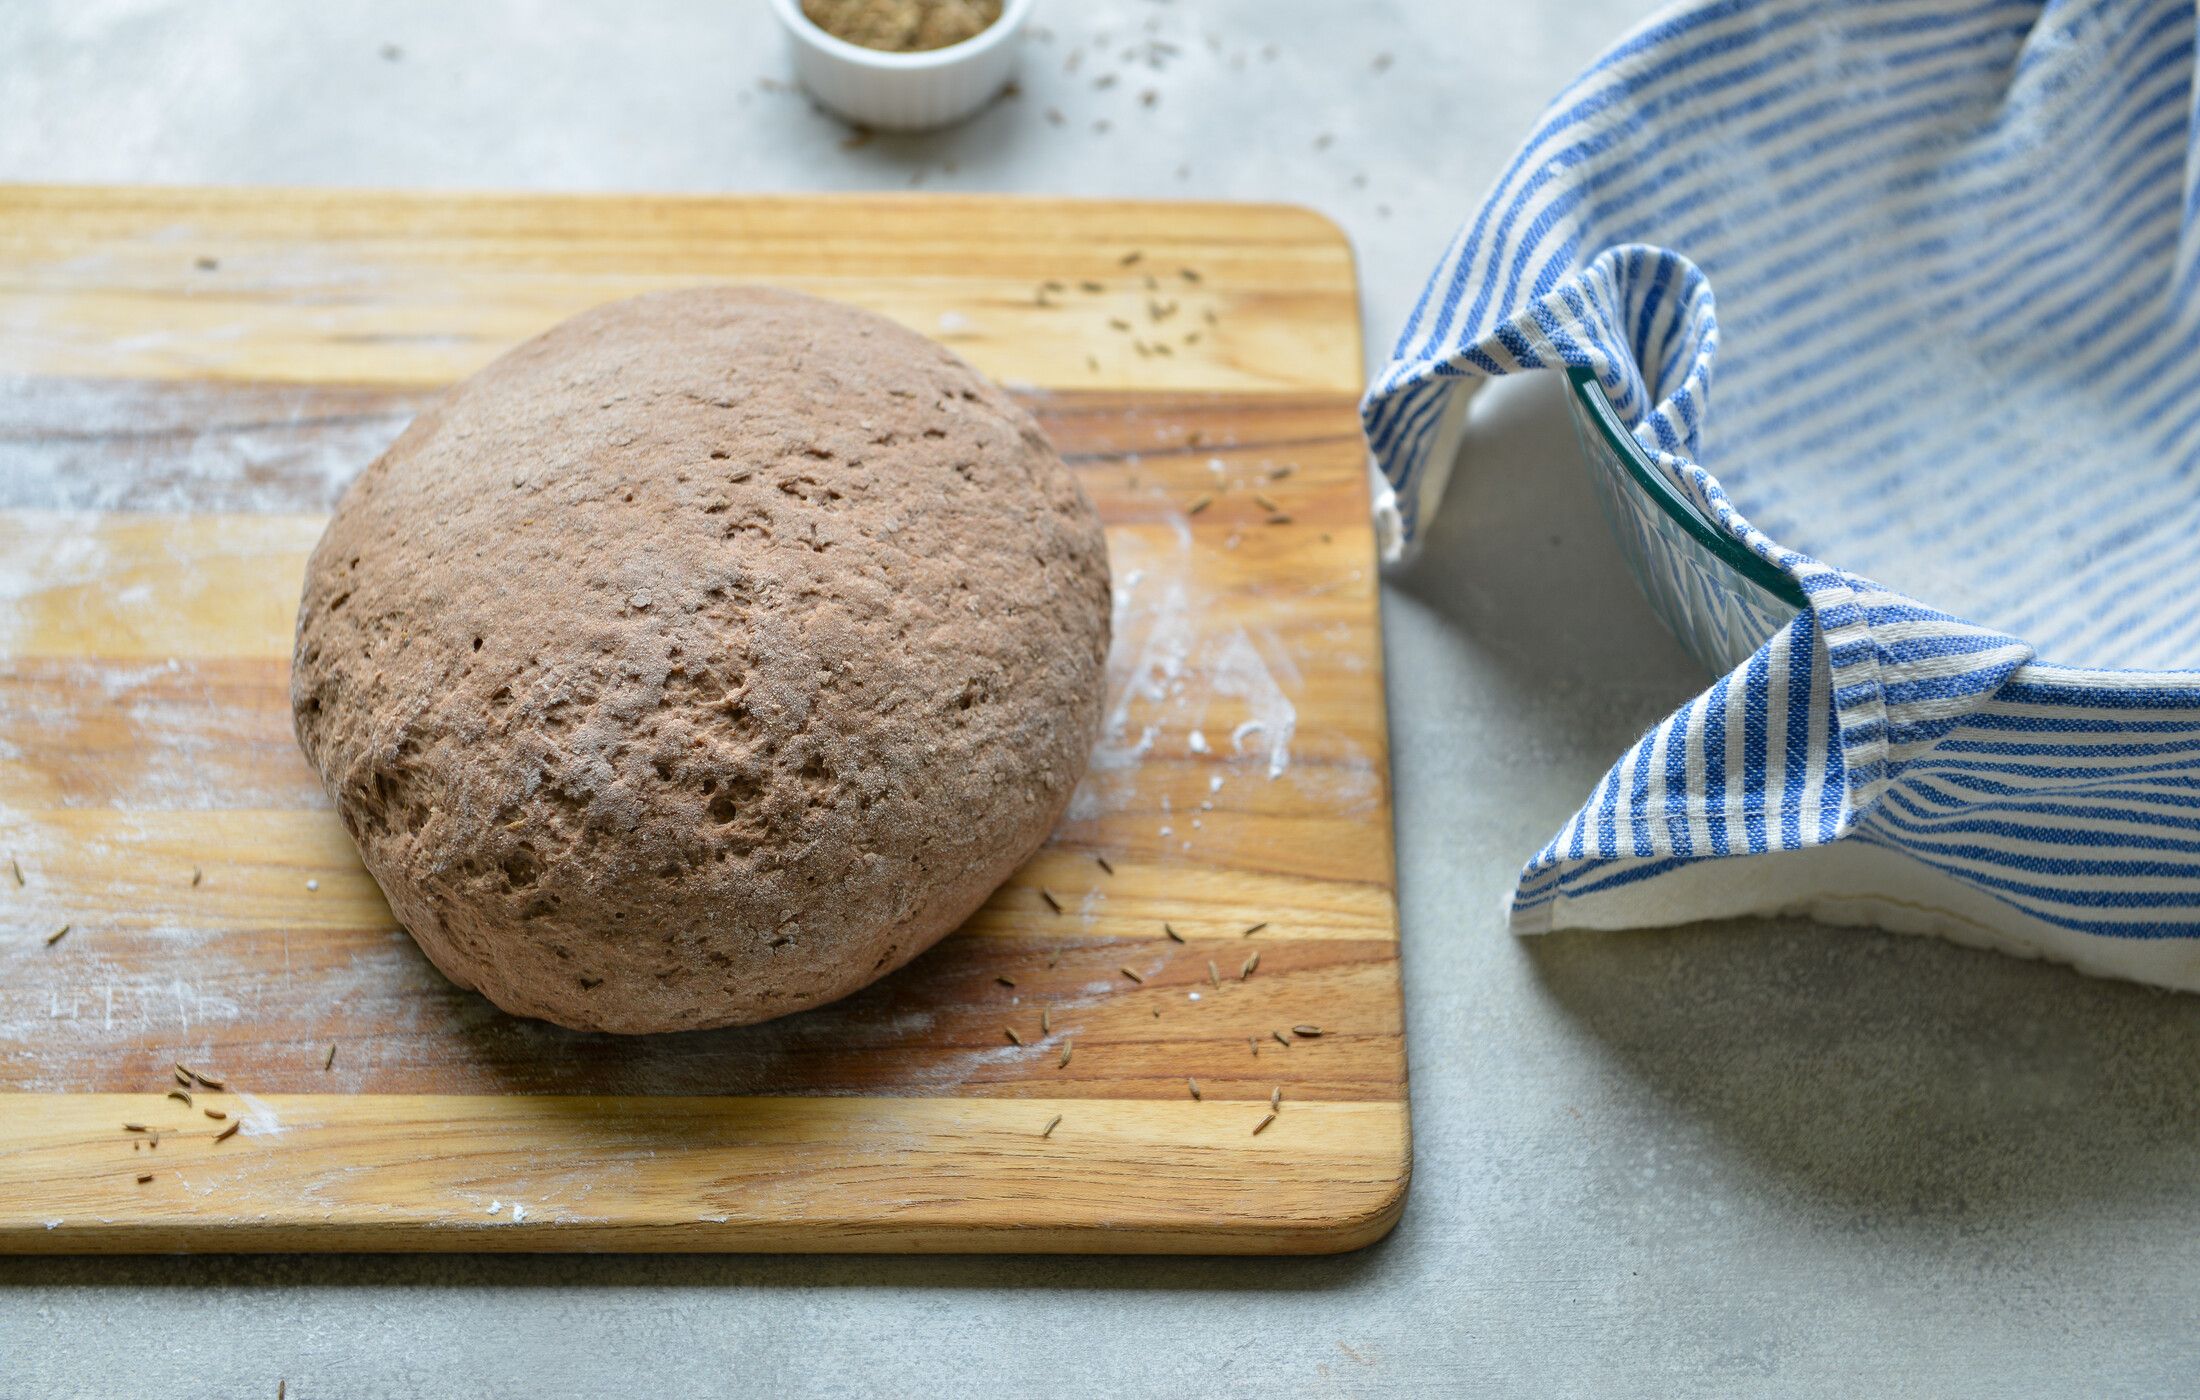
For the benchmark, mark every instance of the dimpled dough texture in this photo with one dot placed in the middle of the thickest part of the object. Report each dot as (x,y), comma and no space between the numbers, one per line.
(703,659)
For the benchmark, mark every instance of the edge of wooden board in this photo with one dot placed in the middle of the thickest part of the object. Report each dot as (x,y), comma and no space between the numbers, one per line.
(461,276)
(334,1173)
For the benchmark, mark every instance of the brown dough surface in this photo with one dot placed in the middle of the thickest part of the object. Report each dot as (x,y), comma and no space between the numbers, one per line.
(703,659)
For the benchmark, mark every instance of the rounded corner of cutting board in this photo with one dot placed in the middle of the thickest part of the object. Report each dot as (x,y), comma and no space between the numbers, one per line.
(1371,1224)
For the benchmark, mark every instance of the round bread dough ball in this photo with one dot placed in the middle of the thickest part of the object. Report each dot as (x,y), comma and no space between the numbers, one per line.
(703,659)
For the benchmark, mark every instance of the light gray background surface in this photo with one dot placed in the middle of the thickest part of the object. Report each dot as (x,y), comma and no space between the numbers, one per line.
(1758,1158)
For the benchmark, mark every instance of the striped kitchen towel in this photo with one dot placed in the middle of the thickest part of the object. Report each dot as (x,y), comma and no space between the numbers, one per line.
(1944,260)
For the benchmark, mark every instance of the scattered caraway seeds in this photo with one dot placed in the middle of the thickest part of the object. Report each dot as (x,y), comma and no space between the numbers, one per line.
(144,1177)
(1013,1038)
(329,1063)
(196,876)
(1173,934)
(1119,323)
(1275,1099)
(1255,1044)
(1193,1085)
(184,1095)
(1310,1032)
(1131,258)
(1258,1127)
(1199,505)
(1006,981)
(229,1132)
(1053,286)
(1092,286)
(1046,1022)
(1054,957)
(1092,362)
(1279,518)
(1130,974)
(1279,473)
(1067,1046)
(214,1113)
(1213,977)
(1256,928)
(1281,1039)
(183,1079)
(57,934)
(1247,970)
(1187,274)
(1264,503)
(1102,862)
(1052,902)
(209,1080)
(15,866)
(1052,1124)
(135,1128)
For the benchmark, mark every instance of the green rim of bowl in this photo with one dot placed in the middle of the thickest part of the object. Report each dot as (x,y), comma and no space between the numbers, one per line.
(1677,507)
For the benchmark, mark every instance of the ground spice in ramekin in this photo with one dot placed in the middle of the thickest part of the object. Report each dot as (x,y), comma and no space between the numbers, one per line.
(903,26)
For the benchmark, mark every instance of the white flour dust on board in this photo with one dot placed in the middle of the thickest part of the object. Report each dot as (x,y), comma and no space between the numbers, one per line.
(1156,672)
(185,447)
(182,417)
(1239,671)
(1171,680)
(41,555)
(260,1120)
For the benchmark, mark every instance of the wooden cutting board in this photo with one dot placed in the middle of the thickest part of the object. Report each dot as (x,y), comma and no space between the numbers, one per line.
(189,377)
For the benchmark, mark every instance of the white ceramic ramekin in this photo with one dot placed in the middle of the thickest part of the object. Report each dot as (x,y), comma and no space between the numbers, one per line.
(904,91)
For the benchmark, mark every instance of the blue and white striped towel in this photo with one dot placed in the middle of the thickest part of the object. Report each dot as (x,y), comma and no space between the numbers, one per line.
(1945,260)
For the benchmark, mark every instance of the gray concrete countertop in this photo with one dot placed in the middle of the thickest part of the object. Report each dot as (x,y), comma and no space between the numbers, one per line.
(1759,1157)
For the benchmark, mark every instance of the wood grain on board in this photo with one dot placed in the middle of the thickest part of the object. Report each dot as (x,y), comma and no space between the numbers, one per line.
(187,380)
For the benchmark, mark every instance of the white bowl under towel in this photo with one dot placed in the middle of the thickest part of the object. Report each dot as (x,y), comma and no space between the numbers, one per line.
(1906,298)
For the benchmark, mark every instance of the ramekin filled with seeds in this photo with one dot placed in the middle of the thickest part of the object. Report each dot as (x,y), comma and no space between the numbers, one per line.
(903,65)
